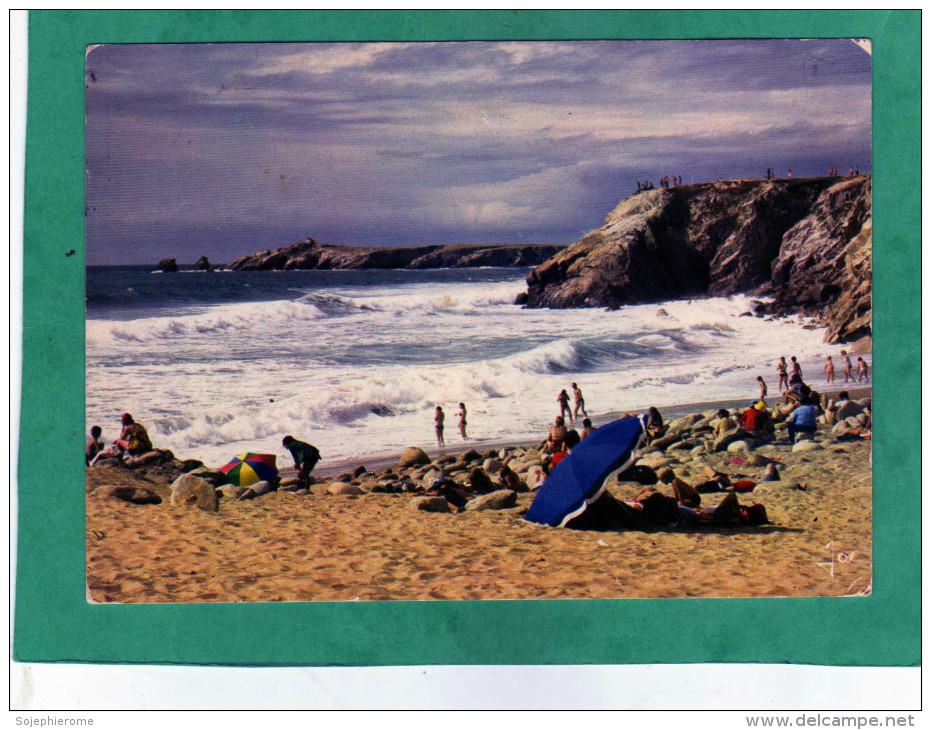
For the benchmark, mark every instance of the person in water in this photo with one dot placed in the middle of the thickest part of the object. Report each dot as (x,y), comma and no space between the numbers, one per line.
(462,420)
(438,418)
(579,401)
(305,458)
(563,400)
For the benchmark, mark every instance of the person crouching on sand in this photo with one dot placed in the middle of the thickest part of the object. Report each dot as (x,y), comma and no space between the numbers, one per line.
(462,420)
(655,426)
(438,418)
(305,458)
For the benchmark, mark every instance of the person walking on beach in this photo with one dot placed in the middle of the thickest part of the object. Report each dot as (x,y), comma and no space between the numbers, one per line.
(563,400)
(829,370)
(783,371)
(848,367)
(462,420)
(796,368)
(863,370)
(763,389)
(579,401)
(438,418)
(305,458)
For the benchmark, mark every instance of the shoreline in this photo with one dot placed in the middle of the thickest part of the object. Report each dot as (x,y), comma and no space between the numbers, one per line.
(378,462)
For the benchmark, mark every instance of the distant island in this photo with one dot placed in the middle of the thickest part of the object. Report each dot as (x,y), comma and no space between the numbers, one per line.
(310,254)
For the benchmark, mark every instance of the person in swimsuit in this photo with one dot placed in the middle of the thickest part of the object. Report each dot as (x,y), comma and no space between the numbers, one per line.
(863,370)
(848,367)
(579,401)
(829,370)
(563,400)
(587,427)
(796,368)
(763,390)
(133,438)
(462,420)
(438,418)
(556,436)
(783,371)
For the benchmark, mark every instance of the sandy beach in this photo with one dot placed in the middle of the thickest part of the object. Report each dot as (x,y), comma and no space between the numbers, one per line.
(285,546)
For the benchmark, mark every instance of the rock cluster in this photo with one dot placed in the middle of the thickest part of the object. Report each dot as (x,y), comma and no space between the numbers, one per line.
(310,254)
(805,243)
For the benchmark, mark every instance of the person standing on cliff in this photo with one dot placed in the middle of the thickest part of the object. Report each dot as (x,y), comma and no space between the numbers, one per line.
(783,371)
(438,418)
(579,401)
(829,370)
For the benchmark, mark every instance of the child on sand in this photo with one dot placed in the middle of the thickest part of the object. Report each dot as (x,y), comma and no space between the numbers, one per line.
(438,418)
(563,400)
(783,371)
(579,401)
(863,370)
(829,370)
(462,420)
(94,446)
(763,390)
(848,367)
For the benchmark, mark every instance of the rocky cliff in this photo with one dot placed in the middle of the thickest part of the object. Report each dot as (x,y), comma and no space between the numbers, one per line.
(806,244)
(312,255)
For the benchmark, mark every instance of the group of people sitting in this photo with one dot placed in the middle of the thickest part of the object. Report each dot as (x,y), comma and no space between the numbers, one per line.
(133,440)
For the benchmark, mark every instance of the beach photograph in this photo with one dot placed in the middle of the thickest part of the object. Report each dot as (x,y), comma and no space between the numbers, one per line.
(475,321)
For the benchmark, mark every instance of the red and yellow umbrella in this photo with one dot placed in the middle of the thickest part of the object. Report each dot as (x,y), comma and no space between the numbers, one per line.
(247,469)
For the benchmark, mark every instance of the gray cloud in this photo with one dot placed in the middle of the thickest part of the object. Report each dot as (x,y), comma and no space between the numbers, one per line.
(224,149)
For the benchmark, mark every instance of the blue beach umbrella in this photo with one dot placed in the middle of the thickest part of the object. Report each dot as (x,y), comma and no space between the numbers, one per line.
(578,480)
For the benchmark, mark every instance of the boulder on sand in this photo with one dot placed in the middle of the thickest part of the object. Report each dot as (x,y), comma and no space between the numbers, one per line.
(343,489)
(501,499)
(414,456)
(188,489)
(430,504)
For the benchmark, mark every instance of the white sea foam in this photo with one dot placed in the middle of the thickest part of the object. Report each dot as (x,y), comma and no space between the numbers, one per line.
(360,371)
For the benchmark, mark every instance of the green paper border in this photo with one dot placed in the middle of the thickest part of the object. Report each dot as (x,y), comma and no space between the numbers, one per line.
(53,622)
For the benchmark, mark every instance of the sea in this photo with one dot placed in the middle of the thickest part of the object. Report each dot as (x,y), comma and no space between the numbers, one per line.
(218,363)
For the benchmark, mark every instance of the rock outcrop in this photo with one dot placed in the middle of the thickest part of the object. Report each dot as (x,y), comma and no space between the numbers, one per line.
(805,243)
(167,265)
(312,255)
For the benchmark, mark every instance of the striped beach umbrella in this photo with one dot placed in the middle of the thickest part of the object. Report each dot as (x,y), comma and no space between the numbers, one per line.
(247,469)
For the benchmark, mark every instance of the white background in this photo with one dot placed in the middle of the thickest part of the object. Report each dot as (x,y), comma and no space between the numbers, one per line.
(38,690)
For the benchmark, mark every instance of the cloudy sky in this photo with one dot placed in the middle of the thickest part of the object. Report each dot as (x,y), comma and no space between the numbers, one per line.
(227,149)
